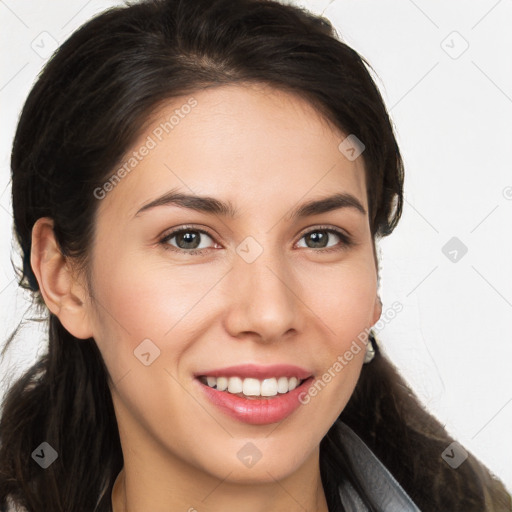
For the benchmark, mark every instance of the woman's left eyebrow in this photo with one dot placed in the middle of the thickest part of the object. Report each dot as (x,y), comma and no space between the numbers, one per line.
(207,204)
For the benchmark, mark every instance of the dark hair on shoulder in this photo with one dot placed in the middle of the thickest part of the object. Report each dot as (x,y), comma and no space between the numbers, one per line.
(86,109)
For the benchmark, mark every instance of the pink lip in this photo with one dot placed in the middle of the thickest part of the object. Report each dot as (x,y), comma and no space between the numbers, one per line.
(258,372)
(256,411)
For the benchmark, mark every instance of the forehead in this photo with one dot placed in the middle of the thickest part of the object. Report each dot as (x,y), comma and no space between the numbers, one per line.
(247,144)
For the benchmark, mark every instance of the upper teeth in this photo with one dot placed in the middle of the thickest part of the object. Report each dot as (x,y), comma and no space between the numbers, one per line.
(253,387)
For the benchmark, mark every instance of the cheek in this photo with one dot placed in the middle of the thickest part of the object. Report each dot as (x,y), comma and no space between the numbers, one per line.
(139,299)
(344,299)
(141,314)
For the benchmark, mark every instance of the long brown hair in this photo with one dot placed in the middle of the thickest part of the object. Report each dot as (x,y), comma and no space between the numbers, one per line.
(84,112)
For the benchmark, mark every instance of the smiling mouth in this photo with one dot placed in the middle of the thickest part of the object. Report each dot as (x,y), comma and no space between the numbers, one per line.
(252,388)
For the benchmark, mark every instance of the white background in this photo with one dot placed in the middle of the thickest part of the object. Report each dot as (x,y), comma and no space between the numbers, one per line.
(452,109)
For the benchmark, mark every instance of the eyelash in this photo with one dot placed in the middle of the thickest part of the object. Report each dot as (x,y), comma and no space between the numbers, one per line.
(346,240)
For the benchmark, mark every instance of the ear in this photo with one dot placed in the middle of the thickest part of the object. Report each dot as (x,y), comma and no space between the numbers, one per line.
(377,310)
(63,294)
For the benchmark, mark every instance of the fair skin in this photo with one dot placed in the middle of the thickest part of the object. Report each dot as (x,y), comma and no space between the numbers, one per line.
(267,152)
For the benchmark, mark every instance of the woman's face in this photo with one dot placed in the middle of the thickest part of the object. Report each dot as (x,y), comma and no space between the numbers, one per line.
(261,292)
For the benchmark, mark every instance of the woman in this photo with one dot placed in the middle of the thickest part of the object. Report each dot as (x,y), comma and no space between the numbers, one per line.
(238,372)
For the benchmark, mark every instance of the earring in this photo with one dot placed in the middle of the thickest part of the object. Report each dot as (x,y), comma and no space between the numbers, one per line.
(370,349)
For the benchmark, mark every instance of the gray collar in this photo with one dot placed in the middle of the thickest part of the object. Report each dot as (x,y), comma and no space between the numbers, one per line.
(373,476)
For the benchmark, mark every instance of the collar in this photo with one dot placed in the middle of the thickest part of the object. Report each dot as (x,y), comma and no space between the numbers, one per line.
(374,477)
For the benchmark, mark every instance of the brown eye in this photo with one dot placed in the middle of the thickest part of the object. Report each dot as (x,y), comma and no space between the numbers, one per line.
(187,240)
(319,238)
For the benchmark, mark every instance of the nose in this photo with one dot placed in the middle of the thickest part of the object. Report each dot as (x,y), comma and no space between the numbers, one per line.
(264,299)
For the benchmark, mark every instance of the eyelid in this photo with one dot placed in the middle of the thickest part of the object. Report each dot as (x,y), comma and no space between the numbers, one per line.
(346,238)
(324,227)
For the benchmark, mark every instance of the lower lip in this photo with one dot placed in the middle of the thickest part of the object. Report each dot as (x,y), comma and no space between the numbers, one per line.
(257,411)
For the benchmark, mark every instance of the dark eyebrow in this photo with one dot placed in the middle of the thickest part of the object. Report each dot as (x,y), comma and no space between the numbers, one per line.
(204,204)
(327,204)
(211,205)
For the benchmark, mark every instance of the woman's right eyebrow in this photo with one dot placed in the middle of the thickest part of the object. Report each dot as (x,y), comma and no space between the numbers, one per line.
(208,204)
(204,204)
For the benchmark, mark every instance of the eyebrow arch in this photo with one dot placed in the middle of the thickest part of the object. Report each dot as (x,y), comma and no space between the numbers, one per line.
(211,205)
